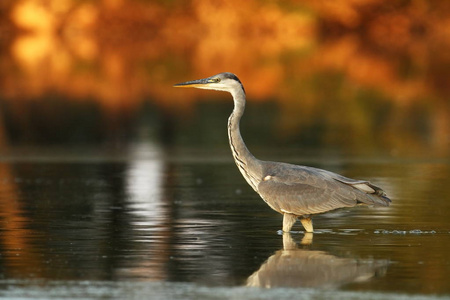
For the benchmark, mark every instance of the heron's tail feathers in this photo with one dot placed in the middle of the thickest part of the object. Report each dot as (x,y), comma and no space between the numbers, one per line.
(376,195)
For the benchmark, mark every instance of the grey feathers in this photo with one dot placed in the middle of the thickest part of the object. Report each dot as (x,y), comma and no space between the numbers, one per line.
(303,190)
(289,189)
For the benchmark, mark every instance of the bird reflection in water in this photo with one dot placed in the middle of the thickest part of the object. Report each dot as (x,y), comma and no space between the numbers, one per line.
(296,267)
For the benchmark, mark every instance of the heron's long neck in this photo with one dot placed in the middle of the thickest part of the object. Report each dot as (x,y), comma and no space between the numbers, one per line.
(246,162)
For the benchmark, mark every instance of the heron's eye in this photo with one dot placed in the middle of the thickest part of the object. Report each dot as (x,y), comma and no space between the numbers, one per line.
(214,80)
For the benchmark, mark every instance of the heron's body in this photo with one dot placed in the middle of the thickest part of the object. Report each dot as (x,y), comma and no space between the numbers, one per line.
(292,190)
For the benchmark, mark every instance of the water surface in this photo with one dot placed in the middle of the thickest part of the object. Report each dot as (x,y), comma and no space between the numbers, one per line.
(76,219)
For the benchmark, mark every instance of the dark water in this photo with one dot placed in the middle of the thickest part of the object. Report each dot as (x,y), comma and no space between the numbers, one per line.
(114,185)
(94,224)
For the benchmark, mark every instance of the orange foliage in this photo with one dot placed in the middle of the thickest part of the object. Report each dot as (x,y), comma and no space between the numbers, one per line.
(124,46)
(121,52)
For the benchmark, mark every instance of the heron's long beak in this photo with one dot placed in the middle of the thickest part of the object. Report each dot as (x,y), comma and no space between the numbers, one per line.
(194,83)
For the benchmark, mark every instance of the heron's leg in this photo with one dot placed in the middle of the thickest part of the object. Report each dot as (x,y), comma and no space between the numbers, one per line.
(307,223)
(288,222)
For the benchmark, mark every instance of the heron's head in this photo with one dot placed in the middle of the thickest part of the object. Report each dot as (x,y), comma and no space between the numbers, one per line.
(227,82)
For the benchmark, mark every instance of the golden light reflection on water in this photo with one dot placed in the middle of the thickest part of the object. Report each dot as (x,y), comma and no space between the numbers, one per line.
(137,217)
(15,229)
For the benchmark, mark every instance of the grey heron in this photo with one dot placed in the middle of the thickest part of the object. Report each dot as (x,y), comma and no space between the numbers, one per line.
(296,192)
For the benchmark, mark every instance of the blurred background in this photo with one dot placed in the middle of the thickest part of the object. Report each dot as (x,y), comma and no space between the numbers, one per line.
(350,76)
(107,171)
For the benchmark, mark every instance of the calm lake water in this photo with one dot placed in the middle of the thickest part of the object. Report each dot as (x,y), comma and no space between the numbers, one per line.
(183,224)
(115,185)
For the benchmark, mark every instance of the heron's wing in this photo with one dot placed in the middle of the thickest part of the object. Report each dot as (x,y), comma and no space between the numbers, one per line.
(303,198)
(304,190)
